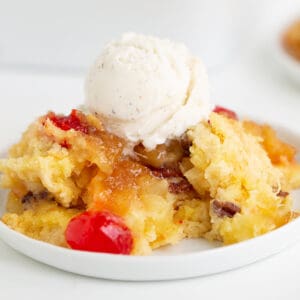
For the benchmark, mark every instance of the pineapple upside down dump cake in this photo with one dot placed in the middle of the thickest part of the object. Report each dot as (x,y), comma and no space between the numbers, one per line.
(72,183)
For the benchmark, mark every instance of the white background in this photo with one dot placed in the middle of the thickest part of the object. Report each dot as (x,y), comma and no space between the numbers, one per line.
(249,82)
(67,35)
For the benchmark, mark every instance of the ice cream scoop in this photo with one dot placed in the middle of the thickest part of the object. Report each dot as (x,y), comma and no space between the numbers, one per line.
(148,90)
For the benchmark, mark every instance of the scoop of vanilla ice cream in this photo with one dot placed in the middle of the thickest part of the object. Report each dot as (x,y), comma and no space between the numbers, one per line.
(147,89)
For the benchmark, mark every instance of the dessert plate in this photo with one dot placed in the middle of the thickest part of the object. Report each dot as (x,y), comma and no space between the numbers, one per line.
(288,64)
(189,258)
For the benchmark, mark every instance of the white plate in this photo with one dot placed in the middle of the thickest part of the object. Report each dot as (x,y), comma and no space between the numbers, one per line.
(189,258)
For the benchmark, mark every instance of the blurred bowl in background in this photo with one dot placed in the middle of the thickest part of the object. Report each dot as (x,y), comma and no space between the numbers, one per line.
(288,63)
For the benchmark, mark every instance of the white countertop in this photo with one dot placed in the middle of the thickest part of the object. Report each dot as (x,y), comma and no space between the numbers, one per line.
(249,82)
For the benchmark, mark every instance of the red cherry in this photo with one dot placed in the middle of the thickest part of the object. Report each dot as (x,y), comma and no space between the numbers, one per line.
(72,121)
(225,112)
(99,232)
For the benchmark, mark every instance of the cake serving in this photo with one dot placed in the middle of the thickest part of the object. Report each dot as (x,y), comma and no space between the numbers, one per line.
(291,40)
(148,162)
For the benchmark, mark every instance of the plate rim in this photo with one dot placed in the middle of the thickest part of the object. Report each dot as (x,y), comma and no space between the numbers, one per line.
(245,243)
(154,268)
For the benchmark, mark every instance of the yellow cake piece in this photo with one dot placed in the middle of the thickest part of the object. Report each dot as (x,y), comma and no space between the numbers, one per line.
(143,201)
(88,173)
(61,162)
(231,166)
(45,221)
